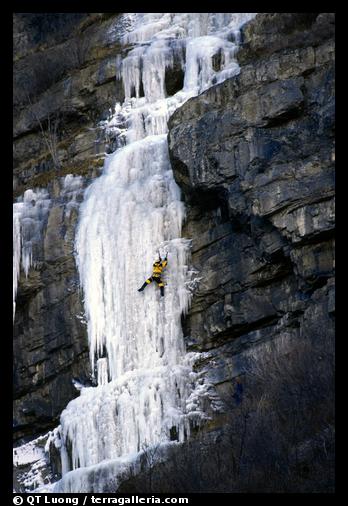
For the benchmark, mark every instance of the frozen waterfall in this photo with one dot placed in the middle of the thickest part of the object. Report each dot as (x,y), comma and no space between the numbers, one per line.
(146,388)
(29,215)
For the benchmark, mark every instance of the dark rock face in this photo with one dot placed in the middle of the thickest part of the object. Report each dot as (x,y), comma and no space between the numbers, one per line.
(258,151)
(67,82)
(254,157)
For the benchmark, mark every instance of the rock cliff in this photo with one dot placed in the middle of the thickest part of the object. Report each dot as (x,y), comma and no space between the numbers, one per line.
(254,158)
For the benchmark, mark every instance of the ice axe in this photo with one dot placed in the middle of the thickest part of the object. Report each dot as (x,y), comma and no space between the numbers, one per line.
(159,254)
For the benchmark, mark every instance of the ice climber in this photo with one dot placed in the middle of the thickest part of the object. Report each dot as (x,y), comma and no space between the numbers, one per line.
(158,267)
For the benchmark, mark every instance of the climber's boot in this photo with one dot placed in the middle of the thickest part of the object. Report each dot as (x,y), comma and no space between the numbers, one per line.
(142,288)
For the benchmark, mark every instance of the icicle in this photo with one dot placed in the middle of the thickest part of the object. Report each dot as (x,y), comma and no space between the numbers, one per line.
(16,256)
(102,368)
(71,190)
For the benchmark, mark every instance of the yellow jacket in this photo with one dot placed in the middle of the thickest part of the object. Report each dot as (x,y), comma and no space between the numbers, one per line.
(158,267)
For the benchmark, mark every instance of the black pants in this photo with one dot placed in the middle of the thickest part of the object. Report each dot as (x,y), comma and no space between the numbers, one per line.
(158,281)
